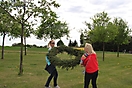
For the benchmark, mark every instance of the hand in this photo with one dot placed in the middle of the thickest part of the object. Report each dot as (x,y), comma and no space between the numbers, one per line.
(83,57)
(81,64)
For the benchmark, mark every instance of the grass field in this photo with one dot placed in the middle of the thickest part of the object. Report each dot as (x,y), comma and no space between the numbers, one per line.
(115,72)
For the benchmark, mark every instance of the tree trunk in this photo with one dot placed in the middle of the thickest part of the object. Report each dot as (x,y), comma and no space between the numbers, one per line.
(2,53)
(25,45)
(21,53)
(118,48)
(103,50)
(22,33)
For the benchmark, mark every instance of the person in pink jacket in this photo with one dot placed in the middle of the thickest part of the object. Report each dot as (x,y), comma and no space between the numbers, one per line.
(90,63)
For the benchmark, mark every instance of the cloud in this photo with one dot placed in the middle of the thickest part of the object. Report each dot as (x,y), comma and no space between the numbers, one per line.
(76,9)
(75,12)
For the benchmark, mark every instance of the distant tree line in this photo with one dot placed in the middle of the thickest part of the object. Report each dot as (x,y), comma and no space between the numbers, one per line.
(110,46)
(97,46)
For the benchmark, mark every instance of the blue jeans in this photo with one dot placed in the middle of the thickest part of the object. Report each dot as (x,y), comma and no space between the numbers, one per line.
(92,77)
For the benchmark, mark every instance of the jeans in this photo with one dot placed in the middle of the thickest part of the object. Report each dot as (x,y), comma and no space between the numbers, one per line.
(53,74)
(92,77)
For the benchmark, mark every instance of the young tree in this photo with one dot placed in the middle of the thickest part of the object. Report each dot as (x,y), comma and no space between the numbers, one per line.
(82,39)
(101,29)
(22,10)
(16,32)
(51,27)
(123,35)
(75,44)
(5,28)
(70,43)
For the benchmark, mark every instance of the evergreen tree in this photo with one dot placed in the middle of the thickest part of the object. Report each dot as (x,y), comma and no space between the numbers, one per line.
(82,40)
(60,43)
(70,43)
(75,44)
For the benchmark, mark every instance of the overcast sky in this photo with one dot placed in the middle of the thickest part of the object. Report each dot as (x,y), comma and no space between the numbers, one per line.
(75,12)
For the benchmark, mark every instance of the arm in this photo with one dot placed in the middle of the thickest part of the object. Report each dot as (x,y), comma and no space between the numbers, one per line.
(82,59)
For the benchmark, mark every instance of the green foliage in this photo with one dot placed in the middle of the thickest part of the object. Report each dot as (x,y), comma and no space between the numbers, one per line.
(20,11)
(24,11)
(51,27)
(82,39)
(16,44)
(70,43)
(101,30)
(65,63)
(73,44)
(123,35)
(5,23)
(60,43)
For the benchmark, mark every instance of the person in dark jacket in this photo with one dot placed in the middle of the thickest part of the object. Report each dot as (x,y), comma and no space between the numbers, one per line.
(51,69)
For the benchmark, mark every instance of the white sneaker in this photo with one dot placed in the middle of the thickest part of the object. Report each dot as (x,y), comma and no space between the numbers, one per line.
(57,86)
(48,87)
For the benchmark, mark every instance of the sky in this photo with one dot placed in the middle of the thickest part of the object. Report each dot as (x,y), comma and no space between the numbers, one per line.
(76,12)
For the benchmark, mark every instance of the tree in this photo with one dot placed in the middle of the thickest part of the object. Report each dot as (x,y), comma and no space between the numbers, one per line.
(51,27)
(75,43)
(28,30)
(16,32)
(21,11)
(101,29)
(60,43)
(84,37)
(70,43)
(123,35)
(82,40)
(5,28)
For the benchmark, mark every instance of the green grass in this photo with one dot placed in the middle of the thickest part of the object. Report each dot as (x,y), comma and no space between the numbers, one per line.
(115,72)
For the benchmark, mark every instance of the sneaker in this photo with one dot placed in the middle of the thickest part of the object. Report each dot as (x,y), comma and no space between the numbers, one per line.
(57,86)
(48,87)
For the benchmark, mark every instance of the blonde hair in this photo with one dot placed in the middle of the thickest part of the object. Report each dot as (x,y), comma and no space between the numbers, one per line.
(88,48)
(48,46)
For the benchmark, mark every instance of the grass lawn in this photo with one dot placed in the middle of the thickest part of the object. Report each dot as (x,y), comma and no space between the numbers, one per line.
(115,72)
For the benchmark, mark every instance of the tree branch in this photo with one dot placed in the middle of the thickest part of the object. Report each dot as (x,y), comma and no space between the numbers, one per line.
(9,14)
(28,17)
